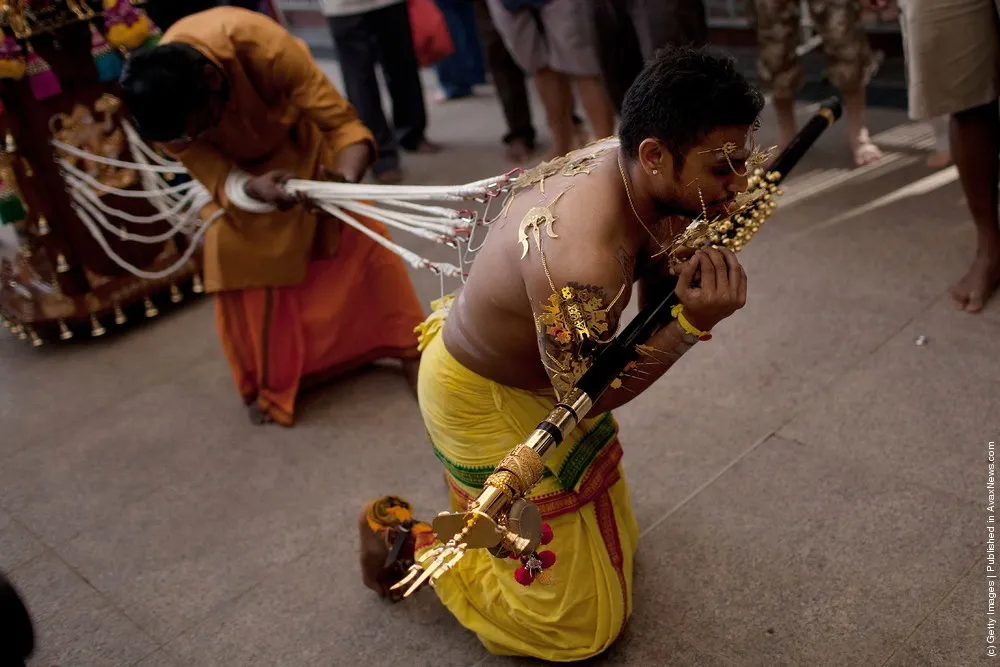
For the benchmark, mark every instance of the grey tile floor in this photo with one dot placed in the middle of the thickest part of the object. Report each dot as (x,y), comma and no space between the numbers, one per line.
(810,485)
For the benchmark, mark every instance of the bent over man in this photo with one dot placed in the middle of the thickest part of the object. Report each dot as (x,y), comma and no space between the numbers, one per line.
(583,234)
(299,298)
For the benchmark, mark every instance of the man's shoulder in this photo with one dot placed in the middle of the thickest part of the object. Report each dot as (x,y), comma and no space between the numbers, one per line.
(219,26)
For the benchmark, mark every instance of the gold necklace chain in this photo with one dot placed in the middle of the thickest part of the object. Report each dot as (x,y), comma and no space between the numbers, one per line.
(670,230)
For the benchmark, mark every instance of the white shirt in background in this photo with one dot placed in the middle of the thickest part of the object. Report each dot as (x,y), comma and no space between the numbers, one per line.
(348,7)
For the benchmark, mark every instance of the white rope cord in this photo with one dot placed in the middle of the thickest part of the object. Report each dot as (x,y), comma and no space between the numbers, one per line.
(193,198)
(235,188)
(435,211)
(418,222)
(136,142)
(398,206)
(415,260)
(153,180)
(112,162)
(381,216)
(325,190)
(93,205)
(148,275)
(445,226)
(135,194)
(165,204)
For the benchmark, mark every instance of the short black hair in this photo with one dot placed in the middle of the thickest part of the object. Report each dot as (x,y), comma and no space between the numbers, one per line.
(681,95)
(162,87)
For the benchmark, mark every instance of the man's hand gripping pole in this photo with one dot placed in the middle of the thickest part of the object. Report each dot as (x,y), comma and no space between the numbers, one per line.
(500,519)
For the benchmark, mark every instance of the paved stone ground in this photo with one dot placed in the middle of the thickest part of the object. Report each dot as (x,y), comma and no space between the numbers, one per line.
(810,485)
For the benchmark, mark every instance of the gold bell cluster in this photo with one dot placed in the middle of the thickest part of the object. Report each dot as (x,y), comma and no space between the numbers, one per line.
(737,229)
(26,332)
(752,209)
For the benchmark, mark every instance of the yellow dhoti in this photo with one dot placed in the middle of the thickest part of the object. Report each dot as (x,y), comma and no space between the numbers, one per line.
(586,597)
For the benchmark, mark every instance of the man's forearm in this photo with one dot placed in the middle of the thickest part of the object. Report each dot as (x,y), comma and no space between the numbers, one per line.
(353,161)
(656,356)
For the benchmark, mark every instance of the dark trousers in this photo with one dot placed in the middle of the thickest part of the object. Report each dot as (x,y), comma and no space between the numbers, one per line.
(463,69)
(382,37)
(629,32)
(508,78)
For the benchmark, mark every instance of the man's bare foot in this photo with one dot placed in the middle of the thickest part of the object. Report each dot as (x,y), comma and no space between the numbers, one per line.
(977,286)
(389,177)
(411,371)
(441,98)
(257,416)
(863,150)
(518,151)
(939,160)
(426,147)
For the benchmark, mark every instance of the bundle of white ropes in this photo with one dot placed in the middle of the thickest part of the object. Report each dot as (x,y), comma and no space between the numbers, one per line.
(412,209)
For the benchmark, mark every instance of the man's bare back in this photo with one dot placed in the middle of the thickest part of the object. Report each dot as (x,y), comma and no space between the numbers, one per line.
(492,327)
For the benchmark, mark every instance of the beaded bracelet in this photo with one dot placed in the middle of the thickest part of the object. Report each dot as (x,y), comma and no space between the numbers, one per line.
(678,314)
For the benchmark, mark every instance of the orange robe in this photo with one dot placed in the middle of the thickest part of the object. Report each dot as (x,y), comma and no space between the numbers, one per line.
(297,297)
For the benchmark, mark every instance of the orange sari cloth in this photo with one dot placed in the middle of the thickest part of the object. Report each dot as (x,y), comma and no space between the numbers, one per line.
(351,310)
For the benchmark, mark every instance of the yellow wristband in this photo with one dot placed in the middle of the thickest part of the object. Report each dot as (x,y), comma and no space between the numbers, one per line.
(678,314)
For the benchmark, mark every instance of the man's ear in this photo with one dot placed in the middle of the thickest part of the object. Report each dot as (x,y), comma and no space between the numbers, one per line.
(654,156)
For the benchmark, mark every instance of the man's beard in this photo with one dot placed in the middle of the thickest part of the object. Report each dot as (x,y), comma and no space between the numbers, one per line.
(672,207)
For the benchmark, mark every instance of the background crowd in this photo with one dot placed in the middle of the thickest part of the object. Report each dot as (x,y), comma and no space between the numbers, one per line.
(577,54)
(581,56)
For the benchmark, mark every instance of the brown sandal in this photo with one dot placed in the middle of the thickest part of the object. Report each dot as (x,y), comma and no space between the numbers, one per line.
(388,528)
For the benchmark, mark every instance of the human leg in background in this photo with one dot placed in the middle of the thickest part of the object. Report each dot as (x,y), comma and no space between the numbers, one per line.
(572,51)
(953,68)
(512,89)
(354,38)
(394,45)
(630,32)
(619,50)
(557,97)
(847,49)
(941,157)
(522,35)
(659,23)
(975,144)
(463,69)
(777,37)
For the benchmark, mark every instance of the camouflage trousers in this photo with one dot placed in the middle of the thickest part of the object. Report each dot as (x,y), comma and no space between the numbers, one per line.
(779,32)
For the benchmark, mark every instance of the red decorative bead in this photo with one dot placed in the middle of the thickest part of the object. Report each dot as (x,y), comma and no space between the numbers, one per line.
(546,533)
(522,576)
(548,559)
